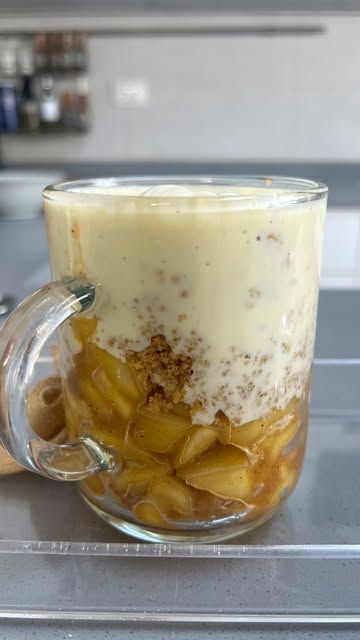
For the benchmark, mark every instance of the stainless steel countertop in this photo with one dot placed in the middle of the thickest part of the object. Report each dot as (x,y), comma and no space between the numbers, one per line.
(34,630)
(22,268)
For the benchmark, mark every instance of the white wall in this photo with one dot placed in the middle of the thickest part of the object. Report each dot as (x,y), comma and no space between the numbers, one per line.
(220,97)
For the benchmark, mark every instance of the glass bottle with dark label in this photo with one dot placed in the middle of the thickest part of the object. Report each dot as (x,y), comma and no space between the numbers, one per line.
(28,108)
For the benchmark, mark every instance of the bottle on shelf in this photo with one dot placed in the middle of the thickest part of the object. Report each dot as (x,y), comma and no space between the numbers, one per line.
(79,52)
(9,116)
(9,121)
(69,109)
(41,49)
(67,63)
(28,107)
(83,103)
(53,53)
(50,113)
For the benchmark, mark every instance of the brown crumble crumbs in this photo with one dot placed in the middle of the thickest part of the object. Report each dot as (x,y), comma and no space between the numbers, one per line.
(254,292)
(261,394)
(162,373)
(274,237)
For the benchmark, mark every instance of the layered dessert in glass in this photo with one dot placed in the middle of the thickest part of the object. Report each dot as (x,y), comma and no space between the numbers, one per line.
(194,365)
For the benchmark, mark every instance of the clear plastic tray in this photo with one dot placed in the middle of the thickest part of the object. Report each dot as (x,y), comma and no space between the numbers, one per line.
(58,560)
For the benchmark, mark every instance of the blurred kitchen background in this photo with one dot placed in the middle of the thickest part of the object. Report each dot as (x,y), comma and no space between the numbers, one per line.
(134,86)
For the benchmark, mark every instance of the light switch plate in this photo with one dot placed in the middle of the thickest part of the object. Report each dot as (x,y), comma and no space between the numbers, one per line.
(129,94)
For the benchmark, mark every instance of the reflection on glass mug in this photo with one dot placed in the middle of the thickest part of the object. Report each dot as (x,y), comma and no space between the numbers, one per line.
(186,312)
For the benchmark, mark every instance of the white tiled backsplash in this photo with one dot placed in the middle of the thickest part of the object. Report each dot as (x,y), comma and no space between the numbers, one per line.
(341,254)
(217,97)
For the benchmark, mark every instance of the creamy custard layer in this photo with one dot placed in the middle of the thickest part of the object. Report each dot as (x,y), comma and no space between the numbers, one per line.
(231,284)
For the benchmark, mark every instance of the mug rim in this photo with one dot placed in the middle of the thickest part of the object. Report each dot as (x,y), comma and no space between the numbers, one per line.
(272,190)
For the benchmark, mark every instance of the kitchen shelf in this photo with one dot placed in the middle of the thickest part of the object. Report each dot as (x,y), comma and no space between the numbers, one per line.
(59,561)
(30,135)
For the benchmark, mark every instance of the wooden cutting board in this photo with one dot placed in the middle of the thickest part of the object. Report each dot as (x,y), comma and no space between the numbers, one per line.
(46,414)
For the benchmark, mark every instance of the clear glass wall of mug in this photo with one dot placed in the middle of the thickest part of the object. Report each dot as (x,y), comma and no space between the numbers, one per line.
(186,310)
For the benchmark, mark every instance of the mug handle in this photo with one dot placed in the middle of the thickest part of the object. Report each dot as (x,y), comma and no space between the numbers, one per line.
(21,340)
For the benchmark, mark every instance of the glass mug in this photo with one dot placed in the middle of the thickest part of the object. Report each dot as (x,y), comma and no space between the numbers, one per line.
(186,312)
